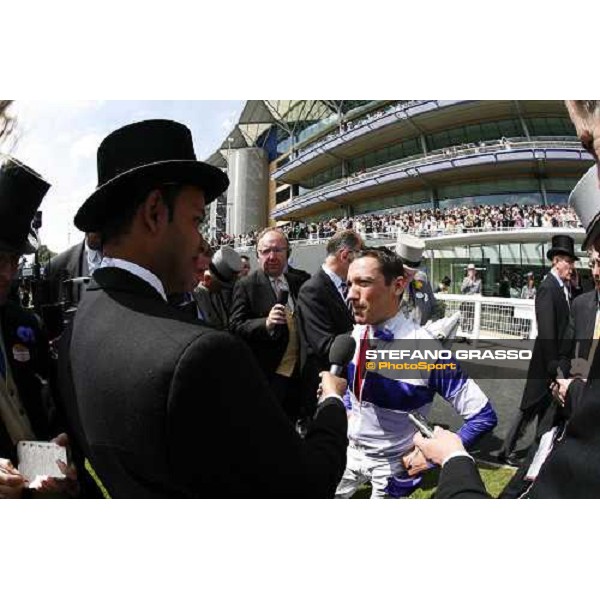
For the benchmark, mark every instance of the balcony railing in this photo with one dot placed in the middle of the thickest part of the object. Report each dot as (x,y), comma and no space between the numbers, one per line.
(370,122)
(453,153)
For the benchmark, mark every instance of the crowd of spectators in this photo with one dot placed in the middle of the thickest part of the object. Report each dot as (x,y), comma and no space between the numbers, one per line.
(422,222)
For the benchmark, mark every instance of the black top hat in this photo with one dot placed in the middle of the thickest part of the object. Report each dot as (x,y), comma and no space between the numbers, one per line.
(562,244)
(139,156)
(21,193)
(585,200)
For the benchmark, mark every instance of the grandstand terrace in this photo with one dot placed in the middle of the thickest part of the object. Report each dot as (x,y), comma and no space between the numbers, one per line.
(482,181)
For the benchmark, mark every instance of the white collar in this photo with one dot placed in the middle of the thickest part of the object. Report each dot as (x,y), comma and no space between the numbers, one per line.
(337,280)
(136,270)
(560,281)
(273,279)
(392,324)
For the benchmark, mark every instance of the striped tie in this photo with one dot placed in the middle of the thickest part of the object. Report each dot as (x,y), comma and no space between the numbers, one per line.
(344,288)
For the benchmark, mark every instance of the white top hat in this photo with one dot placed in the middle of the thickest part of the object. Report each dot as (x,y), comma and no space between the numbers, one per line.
(410,249)
(226,264)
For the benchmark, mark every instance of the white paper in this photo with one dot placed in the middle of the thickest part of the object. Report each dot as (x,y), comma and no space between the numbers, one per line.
(546,443)
(38,459)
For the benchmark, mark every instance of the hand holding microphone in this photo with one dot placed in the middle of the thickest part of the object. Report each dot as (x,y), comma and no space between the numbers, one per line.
(340,354)
(277,315)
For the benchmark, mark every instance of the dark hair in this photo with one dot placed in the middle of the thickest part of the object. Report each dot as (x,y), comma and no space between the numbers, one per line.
(446,280)
(120,223)
(390,264)
(343,240)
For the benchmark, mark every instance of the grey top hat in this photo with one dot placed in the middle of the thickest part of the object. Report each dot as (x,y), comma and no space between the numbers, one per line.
(410,249)
(226,264)
(585,201)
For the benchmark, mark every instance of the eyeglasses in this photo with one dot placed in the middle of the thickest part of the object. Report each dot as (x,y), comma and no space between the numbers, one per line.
(267,251)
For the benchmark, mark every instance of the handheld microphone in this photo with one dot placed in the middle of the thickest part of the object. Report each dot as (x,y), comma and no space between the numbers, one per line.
(341,353)
(283,297)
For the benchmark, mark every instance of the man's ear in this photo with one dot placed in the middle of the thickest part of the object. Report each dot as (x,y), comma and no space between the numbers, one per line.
(154,211)
(399,285)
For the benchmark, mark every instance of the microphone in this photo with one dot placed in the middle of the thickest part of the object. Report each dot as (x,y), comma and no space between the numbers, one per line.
(341,353)
(283,297)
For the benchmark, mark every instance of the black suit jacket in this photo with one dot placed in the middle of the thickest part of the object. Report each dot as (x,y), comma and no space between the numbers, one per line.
(573,468)
(164,407)
(67,265)
(552,314)
(253,298)
(322,315)
(301,275)
(33,376)
(582,320)
(460,479)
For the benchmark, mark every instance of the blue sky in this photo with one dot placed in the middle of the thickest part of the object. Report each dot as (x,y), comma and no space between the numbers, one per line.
(59,140)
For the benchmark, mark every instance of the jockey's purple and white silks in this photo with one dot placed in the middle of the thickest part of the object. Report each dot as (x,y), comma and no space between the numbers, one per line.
(378,422)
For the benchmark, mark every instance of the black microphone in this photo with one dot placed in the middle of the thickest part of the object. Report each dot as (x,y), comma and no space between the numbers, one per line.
(283,297)
(341,353)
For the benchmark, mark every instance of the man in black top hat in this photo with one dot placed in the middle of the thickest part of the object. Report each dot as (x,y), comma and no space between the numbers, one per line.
(552,306)
(26,409)
(163,406)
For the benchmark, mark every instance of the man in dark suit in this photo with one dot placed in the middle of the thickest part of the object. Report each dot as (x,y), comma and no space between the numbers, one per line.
(552,305)
(27,411)
(323,310)
(163,406)
(263,313)
(76,262)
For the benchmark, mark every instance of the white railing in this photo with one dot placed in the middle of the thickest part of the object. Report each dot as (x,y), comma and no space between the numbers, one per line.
(492,318)
(391,233)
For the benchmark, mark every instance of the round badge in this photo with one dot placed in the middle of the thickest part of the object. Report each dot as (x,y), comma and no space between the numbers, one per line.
(21,353)
(420,295)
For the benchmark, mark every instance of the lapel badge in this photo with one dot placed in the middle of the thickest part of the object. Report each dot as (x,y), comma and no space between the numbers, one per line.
(21,353)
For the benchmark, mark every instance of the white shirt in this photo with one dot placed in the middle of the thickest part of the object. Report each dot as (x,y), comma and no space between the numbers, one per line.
(565,289)
(136,270)
(94,258)
(280,283)
(336,279)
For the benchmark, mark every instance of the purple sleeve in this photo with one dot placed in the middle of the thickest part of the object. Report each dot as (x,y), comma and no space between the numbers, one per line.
(482,422)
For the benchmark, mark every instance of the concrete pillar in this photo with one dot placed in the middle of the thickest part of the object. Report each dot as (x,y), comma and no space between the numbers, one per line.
(248,193)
